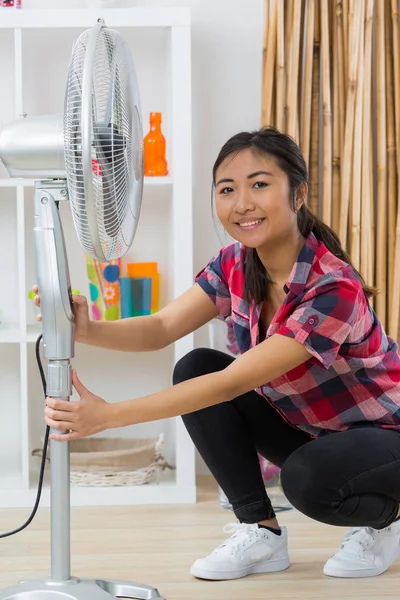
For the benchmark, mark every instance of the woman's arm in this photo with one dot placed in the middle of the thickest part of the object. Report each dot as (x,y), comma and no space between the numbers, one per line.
(154,332)
(267,361)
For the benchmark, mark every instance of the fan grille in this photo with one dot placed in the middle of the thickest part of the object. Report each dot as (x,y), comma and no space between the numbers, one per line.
(105,191)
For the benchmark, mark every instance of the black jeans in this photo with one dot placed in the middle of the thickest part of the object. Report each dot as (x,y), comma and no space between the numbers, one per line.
(349,478)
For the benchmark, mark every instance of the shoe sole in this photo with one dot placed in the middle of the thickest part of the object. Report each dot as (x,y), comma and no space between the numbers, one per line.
(337,572)
(267,566)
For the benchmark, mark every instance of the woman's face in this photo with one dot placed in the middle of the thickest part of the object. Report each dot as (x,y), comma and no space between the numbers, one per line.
(253,200)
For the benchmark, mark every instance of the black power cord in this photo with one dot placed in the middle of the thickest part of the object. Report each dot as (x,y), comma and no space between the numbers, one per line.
(46,441)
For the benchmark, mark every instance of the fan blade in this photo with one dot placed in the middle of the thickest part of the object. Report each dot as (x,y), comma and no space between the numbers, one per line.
(110,153)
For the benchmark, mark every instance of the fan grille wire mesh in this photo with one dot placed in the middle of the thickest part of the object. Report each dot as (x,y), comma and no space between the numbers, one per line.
(113,176)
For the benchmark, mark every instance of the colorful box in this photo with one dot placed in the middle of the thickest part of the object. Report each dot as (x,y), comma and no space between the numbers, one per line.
(104,288)
(140,290)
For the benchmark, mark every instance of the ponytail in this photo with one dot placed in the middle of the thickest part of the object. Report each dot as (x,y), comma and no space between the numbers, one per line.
(307,222)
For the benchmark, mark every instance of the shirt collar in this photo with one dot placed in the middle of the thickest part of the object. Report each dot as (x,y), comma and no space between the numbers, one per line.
(299,274)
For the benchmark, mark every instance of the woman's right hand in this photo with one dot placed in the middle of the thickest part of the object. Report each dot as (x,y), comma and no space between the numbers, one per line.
(80,310)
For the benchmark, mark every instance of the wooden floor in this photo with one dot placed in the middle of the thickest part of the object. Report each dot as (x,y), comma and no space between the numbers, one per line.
(156,545)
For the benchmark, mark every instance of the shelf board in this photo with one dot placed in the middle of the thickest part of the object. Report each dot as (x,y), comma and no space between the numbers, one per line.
(165,180)
(167,492)
(87,17)
(18,182)
(9,335)
(12,335)
(32,333)
(11,481)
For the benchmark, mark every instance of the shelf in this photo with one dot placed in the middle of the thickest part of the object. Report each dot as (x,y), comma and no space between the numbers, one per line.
(16,495)
(86,17)
(10,335)
(18,182)
(32,333)
(158,180)
(11,481)
(160,42)
(13,183)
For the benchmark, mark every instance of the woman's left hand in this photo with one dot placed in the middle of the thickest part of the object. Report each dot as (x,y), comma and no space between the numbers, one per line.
(85,417)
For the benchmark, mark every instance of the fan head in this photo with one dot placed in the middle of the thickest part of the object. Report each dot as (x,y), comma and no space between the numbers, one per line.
(103,143)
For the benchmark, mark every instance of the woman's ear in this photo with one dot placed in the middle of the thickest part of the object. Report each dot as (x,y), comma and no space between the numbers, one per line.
(301,196)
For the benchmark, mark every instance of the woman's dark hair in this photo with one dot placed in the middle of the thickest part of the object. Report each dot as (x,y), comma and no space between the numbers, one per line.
(284,150)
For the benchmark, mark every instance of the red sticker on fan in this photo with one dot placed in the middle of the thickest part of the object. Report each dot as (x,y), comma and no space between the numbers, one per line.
(96,167)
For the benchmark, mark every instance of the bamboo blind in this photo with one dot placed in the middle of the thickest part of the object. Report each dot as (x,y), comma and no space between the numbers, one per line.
(331,79)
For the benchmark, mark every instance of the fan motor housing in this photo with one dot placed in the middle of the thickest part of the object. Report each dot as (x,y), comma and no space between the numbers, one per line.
(34,147)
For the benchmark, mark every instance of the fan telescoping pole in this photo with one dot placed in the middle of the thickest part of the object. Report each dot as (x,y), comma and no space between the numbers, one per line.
(58,348)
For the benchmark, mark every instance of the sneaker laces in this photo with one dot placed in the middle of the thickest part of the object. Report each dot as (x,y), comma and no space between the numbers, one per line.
(359,540)
(241,534)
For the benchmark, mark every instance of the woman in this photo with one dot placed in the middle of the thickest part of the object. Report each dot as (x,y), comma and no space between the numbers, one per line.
(316,389)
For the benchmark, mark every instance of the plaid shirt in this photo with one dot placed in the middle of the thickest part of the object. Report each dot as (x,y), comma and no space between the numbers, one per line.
(352,378)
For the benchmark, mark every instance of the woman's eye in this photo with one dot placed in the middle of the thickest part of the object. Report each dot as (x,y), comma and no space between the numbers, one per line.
(260,184)
(226,190)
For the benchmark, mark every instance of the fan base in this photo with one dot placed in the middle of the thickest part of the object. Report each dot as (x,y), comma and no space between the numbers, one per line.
(79,589)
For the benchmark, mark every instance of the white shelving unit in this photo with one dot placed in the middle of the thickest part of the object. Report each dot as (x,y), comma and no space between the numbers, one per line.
(35,46)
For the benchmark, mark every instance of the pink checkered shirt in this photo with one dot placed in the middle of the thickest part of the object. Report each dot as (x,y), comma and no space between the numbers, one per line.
(352,378)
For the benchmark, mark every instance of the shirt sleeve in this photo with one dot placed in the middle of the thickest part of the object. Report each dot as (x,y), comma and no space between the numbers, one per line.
(213,281)
(325,321)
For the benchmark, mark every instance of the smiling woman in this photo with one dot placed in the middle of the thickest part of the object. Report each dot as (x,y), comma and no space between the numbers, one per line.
(316,390)
(265,167)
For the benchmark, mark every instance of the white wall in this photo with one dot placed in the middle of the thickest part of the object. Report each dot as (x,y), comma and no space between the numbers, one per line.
(226,75)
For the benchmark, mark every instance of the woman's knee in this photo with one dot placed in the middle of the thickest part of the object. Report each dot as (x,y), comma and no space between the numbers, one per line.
(198,362)
(304,482)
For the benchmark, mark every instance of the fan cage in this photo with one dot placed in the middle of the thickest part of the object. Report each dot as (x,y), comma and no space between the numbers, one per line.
(105,198)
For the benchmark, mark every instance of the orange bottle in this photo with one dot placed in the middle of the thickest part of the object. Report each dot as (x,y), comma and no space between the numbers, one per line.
(155,162)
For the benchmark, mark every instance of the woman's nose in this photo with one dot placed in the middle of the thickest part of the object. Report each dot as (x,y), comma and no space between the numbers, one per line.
(244,202)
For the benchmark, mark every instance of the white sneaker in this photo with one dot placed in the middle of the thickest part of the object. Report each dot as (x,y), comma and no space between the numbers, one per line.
(248,550)
(365,552)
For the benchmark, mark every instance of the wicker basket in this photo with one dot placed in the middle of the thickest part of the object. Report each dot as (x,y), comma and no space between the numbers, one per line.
(114,461)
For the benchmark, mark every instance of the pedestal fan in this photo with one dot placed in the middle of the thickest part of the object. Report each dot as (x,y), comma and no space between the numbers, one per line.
(92,156)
